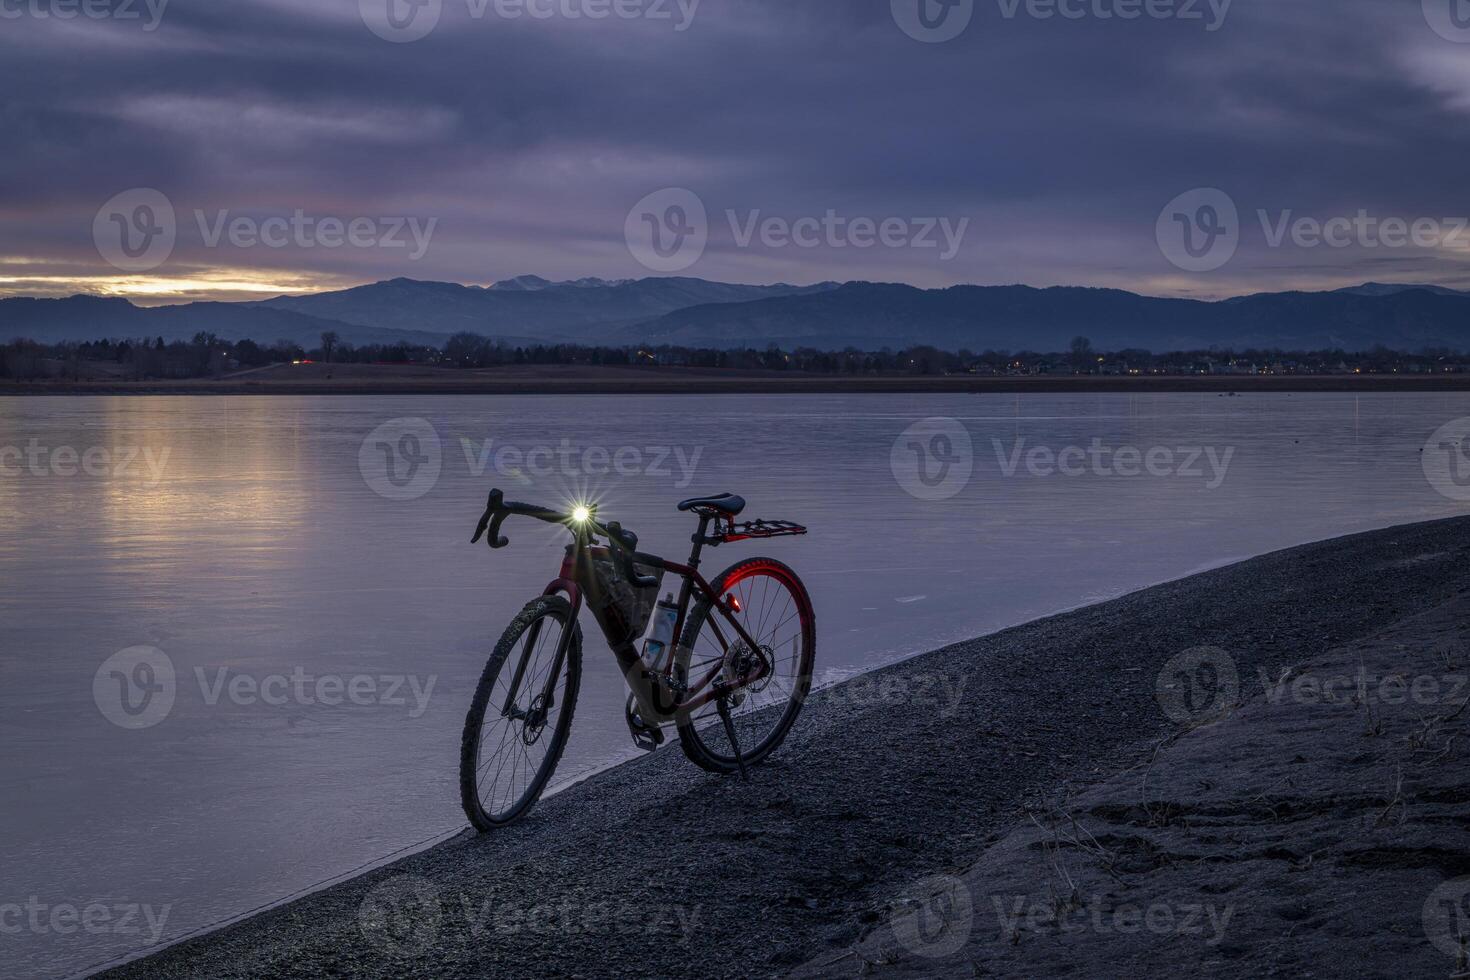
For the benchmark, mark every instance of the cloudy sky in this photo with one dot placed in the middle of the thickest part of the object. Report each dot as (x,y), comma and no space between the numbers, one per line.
(180,149)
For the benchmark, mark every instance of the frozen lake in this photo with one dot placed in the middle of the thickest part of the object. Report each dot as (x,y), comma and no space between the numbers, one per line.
(299,570)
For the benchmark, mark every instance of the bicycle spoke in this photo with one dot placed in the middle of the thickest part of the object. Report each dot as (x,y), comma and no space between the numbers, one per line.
(770,614)
(507,766)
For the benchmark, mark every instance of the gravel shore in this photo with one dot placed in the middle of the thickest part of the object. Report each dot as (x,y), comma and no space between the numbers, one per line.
(656,868)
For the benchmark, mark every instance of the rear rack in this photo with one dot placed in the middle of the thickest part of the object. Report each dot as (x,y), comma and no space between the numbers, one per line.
(758,529)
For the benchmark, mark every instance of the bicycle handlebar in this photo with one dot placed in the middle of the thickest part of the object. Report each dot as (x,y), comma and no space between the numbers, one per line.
(497,509)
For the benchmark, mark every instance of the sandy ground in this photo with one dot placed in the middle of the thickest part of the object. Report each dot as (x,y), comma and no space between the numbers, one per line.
(930,768)
(1320,829)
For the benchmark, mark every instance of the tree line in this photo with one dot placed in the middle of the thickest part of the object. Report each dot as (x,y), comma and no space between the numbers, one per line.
(207,355)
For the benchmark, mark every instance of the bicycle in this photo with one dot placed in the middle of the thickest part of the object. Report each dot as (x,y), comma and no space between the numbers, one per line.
(725,691)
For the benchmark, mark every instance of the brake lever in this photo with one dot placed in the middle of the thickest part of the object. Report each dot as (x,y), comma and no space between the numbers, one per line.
(493,517)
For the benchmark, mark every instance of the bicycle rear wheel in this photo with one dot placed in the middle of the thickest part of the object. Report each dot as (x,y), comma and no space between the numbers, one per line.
(776,612)
(511,744)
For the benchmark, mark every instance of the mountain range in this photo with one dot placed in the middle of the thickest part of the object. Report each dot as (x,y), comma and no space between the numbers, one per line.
(700,313)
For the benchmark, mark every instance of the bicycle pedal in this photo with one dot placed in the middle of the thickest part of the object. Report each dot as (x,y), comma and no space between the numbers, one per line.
(646,737)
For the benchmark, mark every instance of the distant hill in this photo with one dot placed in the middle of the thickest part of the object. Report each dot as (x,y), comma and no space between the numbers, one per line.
(527,307)
(696,312)
(1389,288)
(528,284)
(875,315)
(81,318)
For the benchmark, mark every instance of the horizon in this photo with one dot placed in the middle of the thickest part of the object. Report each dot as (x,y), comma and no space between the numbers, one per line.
(154,302)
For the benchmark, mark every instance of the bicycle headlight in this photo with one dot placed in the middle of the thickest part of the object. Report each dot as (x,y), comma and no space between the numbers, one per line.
(581,513)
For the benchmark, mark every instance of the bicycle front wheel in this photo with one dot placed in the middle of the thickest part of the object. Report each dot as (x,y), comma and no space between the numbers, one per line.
(776,612)
(519,720)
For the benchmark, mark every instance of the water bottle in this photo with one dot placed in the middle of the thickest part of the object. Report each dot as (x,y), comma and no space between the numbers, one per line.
(661,640)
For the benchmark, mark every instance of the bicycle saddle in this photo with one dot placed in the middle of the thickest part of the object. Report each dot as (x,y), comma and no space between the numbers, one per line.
(723,503)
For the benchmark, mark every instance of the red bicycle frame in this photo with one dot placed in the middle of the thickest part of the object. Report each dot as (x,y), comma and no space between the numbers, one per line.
(661,695)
